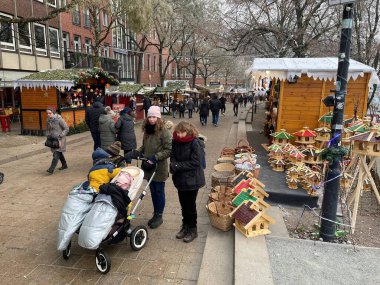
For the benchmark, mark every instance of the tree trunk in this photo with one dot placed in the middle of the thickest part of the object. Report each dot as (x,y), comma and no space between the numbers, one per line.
(160,69)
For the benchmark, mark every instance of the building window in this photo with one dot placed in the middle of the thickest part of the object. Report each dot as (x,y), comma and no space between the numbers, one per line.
(106,51)
(40,37)
(154,63)
(76,15)
(87,45)
(63,3)
(7,34)
(24,37)
(52,3)
(77,43)
(86,18)
(54,42)
(142,62)
(66,41)
(148,62)
(105,18)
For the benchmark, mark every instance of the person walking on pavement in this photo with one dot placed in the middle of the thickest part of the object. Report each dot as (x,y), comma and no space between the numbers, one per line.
(132,103)
(204,111)
(174,107)
(92,121)
(241,101)
(156,147)
(126,131)
(223,102)
(146,105)
(107,128)
(215,107)
(245,99)
(235,101)
(56,128)
(188,176)
(190,107)
(182,108)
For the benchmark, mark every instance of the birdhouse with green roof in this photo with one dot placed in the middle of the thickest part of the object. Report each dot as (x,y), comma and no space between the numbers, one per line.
(249,195)
(326,119)
(358,128)
(250,221)
(281,137)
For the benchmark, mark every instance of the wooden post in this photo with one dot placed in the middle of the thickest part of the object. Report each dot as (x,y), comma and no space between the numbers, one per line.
(279,106)
(322,97)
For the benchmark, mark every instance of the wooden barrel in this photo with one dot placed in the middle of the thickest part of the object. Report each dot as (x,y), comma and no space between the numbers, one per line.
(222,178)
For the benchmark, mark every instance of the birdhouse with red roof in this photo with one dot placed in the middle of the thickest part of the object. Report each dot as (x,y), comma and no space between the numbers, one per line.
(296,157)
(305,136)
(244,175)
(281,137)
(250,221)
(248,183)
(367,143)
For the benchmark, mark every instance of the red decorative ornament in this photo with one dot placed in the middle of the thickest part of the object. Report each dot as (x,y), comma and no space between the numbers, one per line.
(88,86)
(102,81)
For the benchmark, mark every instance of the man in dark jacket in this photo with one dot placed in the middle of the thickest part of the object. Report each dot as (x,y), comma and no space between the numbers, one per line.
(92,121)
(126,131)
(190,107)
(215,107)
(223,102)
(146,105)
(235,101)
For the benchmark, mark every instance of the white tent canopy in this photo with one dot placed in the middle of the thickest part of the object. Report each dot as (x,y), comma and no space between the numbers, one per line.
(324,68)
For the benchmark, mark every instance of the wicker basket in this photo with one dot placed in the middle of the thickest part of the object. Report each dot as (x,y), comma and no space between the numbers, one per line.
(218,214)
(226,159)
(243,147)
(222,178)
(224,167)
(221,197)
(228,151)
(223,189)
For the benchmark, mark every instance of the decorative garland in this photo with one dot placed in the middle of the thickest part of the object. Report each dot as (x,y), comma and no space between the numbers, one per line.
(95,72)
(333,154)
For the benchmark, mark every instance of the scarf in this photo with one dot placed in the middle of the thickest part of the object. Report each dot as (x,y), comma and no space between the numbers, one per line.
(150,129)
(184,139)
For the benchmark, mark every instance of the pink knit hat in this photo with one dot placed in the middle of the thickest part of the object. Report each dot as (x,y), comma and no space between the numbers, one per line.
(154,111)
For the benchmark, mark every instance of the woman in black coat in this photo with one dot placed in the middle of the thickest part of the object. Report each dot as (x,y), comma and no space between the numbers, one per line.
(204,110)
(126,131)
(188,175)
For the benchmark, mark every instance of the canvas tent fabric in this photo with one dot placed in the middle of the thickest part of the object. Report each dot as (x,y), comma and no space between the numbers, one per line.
(316,68)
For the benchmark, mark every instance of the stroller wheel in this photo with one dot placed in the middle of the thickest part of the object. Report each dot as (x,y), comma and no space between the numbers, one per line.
(139,237)
(66,253)
(1,177)
(103,261)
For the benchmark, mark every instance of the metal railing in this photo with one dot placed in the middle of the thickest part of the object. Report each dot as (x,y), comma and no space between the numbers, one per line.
(75,59)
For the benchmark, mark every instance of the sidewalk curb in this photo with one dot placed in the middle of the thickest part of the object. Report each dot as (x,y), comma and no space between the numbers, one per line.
(75,138)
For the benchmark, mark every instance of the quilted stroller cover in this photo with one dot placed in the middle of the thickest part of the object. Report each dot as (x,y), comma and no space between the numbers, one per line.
(78,204)
(97,223)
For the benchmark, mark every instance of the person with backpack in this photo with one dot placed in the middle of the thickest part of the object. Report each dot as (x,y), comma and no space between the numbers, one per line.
(187,163)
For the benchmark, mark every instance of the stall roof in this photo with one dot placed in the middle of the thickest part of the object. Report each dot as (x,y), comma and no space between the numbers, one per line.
(128,89)
(63,78)
(173,86)
(324,68)
(211,88)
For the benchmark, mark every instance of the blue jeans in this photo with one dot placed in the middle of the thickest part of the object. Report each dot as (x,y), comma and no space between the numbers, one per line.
(204,119)
(157,190)
(215,118)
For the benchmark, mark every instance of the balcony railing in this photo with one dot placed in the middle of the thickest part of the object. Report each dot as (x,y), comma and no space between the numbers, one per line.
(81,60)
(76,17)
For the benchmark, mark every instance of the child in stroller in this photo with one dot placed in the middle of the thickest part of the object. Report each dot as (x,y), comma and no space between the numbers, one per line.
(107,221)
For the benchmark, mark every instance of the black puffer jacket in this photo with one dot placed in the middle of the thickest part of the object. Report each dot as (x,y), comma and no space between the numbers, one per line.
(185,165)
(126,132)
(92,116)
(215,106)
(204,109)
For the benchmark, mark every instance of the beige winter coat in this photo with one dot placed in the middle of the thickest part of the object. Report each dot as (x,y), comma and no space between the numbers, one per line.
(57,128)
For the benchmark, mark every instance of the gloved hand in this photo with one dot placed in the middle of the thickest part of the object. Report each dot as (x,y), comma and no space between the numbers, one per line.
(152,159)
(173,167)
(134,154)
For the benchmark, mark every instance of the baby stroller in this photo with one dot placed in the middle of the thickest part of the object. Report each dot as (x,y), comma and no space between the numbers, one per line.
(1,177)
(121,228)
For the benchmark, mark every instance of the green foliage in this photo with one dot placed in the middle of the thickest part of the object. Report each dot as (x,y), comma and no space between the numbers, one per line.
(78,128)
(333,154)
(95,73)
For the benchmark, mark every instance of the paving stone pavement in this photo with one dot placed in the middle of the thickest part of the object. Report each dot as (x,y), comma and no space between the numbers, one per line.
(30,207)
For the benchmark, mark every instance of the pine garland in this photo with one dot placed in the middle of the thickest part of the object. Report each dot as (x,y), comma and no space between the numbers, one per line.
(95,72)
(333,154)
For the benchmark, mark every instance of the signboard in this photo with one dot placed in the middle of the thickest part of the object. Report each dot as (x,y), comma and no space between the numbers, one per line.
(340,2)
(118,107)
(214,83)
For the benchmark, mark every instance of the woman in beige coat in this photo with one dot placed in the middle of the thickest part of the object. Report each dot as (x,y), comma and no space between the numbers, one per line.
(56,128)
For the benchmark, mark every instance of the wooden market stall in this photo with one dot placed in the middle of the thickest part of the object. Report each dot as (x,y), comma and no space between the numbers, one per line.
(300,84)
(69,91)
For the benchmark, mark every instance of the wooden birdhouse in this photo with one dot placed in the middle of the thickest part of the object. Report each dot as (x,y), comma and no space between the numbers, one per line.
(314,178)
(305,136)
(275,151)
(278,165)
(249,195)
(292,182)
(311,155)
(313,192)
(244,175)
(358,128)
(367,185)
(293,172)
(247,184)
(326,119)
(346,134)
(281,137)
(367,143)
(296,157)
(323,136)
(251,222)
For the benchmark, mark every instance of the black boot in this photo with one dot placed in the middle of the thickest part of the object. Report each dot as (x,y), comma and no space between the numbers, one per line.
(63,161)
(156,221)
(191,235)
(182,233)
(54,162)
(151,219)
